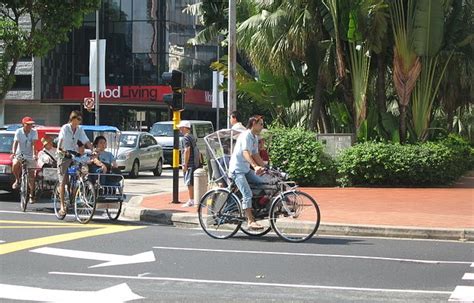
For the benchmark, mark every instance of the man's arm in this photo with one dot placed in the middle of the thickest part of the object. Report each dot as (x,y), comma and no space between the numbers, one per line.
(15,145)
(256,165)
(187,154)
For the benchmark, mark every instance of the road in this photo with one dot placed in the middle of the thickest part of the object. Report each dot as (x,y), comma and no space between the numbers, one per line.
(43,259)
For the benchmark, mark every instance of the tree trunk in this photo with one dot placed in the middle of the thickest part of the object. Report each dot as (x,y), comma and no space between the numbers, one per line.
(380,84)
(403,124)
(317,101)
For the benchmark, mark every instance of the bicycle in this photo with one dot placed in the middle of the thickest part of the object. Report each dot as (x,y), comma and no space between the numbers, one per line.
(78,192)
(292,214)
(24,185)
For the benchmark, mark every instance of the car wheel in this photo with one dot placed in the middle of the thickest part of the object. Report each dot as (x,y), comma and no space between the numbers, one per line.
(135,169)
(159,168)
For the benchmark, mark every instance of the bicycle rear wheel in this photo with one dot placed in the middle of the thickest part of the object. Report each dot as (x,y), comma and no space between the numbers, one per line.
(295,216)
(24,190)
(84,202)
(114,213)
(220,214)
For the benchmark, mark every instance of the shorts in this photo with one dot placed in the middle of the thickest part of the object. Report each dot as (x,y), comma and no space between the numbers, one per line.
(189,177)
(30,163)
(63,165)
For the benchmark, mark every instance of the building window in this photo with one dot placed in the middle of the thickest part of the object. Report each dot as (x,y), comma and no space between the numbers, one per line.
(22,82)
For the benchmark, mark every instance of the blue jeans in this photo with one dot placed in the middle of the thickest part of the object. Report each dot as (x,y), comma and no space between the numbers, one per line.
(242,181)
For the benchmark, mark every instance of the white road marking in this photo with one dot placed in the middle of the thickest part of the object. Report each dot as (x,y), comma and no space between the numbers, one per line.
(468,276)
(118,293)
(254,284)
(312,255)
(1,241)
(111,259)
(462,294)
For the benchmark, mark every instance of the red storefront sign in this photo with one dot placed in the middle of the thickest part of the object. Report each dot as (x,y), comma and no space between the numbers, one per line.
(136,94)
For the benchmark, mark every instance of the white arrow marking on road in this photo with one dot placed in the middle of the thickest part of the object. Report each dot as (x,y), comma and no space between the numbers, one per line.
(468,276)
(111,259)
(118,293)
(1,241)
(463,294)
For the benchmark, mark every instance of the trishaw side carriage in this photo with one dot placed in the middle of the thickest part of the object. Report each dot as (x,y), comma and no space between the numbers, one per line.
(88,191)
(277,204)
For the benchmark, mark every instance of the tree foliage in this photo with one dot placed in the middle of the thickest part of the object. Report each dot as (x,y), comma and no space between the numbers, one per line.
(51,21)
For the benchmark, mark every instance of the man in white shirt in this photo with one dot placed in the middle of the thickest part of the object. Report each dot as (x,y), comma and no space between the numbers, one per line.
(47,156)
(69,135)
(24,146)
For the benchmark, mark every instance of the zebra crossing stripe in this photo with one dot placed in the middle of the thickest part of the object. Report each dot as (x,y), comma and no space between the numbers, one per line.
(462,294)
(468,276)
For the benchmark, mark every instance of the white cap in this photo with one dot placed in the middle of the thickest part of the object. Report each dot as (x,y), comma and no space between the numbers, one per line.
(184,123)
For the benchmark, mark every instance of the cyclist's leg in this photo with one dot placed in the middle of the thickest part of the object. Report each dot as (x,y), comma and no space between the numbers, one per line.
(251,177)
(16,169)
(244,188)
(63,165)
(31,165)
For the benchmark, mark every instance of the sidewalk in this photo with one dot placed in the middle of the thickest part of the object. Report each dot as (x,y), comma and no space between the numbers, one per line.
(439,213)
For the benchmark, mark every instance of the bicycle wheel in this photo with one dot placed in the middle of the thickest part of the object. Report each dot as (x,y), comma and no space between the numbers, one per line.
(24,190)
(84,202)
(220,214)
(295,216)
(114,213)
(57,202)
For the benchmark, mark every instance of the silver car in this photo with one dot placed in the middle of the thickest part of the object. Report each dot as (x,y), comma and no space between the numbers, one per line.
(139,151)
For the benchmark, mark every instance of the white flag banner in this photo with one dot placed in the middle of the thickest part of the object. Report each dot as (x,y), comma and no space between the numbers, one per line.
(93,66)
(217,95)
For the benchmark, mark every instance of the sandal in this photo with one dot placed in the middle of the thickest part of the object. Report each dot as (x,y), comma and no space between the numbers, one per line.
(62,213)
(255,226)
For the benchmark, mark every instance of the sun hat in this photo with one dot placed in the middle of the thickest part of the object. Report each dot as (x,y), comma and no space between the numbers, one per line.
(27,120)
(184,123)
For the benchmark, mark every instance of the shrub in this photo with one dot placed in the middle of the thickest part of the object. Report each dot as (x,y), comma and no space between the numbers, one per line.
(430,163)
(298,153)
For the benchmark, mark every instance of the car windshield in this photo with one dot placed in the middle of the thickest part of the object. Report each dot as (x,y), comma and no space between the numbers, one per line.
(6,143)
(128,140)
(162,130)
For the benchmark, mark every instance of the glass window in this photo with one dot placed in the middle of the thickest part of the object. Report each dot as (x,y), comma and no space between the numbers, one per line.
(203,130)
(126,10)
(22,82)
(149,140)
(6,143)
(145,71)
(145,9)
(144,37)
(112,10)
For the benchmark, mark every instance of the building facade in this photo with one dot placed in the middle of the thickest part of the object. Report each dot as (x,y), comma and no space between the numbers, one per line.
(144,39)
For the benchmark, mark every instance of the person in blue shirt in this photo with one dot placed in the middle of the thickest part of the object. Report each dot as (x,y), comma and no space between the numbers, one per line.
(246,154)
(103,160)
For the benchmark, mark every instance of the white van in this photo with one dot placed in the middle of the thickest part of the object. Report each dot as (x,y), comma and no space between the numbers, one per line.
(163,133)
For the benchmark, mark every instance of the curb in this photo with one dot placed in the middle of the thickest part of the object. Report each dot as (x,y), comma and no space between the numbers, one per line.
(188,220)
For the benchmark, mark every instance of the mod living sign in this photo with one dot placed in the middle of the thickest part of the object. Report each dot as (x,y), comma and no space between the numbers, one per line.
(134,94)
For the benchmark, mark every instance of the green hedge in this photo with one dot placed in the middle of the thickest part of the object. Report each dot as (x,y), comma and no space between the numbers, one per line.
(425,164)
(298,153)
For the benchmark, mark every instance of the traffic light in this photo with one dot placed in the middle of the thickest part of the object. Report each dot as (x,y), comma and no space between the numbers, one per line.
(175,79)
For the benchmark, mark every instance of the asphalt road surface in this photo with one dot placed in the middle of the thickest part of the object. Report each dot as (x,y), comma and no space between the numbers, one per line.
(43,259)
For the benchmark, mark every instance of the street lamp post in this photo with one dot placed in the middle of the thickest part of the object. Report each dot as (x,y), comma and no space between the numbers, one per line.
(232,62)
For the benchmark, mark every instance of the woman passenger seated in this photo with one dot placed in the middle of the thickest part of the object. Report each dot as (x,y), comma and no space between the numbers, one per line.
(103,161)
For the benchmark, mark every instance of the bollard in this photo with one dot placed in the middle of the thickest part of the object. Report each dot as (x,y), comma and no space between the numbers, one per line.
(200,184)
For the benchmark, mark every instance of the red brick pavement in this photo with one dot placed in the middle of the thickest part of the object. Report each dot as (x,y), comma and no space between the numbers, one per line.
(411,207)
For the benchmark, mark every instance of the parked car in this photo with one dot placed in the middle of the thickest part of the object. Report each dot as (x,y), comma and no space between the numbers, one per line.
(163,133)
(6,144)
(139,151)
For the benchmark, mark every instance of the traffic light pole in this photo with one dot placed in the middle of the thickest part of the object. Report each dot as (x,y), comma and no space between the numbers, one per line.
(176,120)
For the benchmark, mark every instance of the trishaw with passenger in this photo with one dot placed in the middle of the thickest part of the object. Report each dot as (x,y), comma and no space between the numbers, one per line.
(277,204)
(88,191)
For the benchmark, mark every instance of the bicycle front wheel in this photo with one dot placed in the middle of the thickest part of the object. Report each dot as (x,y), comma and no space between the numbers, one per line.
(57,202)
(295,216)
(24,190)
(84,203)
(220,214)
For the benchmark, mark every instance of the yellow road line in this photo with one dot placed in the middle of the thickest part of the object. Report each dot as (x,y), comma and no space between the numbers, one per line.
(27,244)
(53,223)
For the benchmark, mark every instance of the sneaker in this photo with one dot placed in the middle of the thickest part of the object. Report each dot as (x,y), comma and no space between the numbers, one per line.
(190,203)
(31,200)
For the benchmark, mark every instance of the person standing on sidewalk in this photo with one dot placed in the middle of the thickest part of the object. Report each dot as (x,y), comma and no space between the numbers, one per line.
(235,121)
(68,137)
(188,159)
(24,145)
(245,155)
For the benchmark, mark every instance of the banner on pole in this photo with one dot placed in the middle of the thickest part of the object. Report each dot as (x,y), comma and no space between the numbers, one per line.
(93,65)
(217,95)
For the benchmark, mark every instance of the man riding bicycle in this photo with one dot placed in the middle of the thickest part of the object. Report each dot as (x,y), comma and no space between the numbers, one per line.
(24,146)
(69,135)
(245,155)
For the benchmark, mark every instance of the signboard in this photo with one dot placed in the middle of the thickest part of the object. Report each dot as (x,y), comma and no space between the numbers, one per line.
(136,94)
(141,116)
(89,103)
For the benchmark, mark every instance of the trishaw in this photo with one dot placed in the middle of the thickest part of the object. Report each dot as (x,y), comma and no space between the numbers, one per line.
(277,204)
(86,191)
